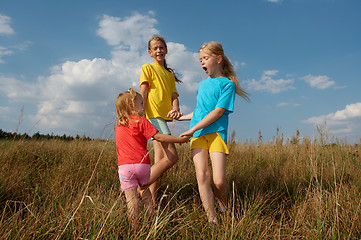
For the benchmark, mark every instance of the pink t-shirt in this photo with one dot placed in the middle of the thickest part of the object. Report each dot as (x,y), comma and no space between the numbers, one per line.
(132,141)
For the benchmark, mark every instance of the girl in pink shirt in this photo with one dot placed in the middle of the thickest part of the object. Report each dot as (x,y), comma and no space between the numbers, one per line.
(132,134)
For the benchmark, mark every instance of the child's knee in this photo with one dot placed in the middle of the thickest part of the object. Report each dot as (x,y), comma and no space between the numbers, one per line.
(203,178)
(174,159)
(220,183)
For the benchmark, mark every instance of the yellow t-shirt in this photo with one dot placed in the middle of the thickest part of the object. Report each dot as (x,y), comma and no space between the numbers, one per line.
(161,85)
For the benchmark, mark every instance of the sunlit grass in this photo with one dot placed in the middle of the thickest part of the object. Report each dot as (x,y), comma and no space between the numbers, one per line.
(70,190)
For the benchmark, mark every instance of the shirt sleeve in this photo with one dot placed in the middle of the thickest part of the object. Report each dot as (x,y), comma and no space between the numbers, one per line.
(147,128)
(145,74)
(226,99)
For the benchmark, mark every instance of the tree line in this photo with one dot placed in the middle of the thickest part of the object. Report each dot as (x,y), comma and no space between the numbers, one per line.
(38,136)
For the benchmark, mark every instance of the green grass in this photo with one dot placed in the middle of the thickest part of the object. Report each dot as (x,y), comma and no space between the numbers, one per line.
(70,190)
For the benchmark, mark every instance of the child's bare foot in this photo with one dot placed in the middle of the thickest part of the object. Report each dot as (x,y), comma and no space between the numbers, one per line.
(212,220)
(222,209)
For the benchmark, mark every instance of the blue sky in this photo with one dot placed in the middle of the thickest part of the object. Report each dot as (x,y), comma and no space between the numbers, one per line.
(64,62)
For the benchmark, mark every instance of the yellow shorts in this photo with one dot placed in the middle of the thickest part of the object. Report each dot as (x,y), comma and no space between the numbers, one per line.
(212,141)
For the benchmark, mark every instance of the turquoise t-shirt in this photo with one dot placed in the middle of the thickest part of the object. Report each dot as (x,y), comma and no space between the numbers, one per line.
(213,93)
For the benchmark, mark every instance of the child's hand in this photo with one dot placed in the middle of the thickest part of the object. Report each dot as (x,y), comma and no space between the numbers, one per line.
(188,133)
(174,114)
(184,139)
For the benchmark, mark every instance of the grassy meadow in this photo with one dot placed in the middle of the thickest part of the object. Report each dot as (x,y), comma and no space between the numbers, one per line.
(54,189)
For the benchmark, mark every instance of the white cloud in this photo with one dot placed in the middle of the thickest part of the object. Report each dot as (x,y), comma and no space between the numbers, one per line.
(237,65)
(79,96)
(4,52)
(4,111)
(186,63)
(22,46)
(79,90)
(270,72)
(284,104)
(129,32)
(7,51)
(267,83)
(185,109)
(319,82)
(17,90)
(5,27)
(342,121)
(274,1)
(351,111)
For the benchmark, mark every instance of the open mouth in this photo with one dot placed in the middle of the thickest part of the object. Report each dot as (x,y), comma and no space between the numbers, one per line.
(205,69)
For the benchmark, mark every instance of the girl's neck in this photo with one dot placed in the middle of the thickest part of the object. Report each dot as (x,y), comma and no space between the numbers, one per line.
(159,62)
(217,73)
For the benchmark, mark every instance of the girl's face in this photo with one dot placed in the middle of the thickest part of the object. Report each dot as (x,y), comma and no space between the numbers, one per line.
(210,63)
(157,51)
(138,105)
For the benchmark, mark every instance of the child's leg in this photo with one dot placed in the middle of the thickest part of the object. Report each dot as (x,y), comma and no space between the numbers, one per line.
(200,159)
(165,156)
(148,202)
(131,196)
(218,160)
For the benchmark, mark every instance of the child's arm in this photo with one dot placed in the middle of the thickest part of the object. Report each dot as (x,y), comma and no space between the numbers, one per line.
(175,112)
(169,138)
(175,101)
(186,117)
(144,91)
(206,121)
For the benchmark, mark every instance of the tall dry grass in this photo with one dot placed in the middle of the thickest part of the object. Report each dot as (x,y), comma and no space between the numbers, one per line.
(70,190)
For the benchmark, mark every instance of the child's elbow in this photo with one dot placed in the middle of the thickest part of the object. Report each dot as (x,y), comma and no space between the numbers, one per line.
(220,111)
(159,137)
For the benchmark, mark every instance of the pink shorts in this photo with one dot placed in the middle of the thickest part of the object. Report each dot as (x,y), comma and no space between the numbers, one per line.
(132,175)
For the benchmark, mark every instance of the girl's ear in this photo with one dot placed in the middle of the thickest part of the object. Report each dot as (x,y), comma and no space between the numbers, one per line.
(219,59)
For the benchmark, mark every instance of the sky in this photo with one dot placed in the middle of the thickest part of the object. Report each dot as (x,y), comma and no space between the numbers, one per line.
(63,63)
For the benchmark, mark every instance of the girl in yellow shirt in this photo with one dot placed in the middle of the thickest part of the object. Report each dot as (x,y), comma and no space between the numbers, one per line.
(157,86)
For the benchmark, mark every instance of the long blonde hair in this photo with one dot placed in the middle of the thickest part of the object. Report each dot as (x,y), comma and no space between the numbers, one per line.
(125,106)
(160,38)
(227,67)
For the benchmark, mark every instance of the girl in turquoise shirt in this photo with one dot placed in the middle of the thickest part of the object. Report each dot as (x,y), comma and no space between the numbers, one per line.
(209,124)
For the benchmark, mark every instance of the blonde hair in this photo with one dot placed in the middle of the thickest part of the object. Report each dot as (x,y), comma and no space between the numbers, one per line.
(160,38)
(227,67)
(125,106)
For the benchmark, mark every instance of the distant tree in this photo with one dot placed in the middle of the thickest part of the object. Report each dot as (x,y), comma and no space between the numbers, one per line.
(25,136)
(36,136)
(2,134)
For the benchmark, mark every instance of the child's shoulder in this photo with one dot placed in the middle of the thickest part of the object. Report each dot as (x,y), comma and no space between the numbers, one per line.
(136,117)
(134,122)
(225,81)
(146,65)
(150,67)
(139,120)
(218,80)
(153,65)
